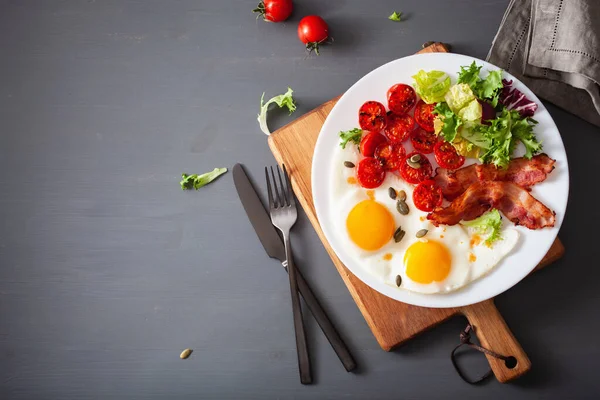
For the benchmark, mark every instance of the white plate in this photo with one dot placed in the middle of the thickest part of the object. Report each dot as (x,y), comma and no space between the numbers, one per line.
(532,246)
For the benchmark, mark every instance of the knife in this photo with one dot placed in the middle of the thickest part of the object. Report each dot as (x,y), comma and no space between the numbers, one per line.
(273,244)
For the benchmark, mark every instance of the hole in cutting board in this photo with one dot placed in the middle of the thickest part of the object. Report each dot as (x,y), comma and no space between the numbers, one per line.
(510,362)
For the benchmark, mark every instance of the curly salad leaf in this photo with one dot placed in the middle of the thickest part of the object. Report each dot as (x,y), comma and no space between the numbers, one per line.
(189,182)
(353,135)
(504,133)
(432,85)
(283,100)
(488,89)
(489,223)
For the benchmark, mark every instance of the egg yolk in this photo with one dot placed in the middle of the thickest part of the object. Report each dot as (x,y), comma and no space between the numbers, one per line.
(370,225)
(427,262)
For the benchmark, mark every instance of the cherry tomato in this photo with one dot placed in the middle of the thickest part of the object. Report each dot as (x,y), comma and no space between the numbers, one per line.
(423,141)
(390,155)
(446,156)
(369,173)
(312,31)
(416,175)
(398,127)
(427,196)
(401,98)
(274,10)
(371,116)
(369,143)
(424,115)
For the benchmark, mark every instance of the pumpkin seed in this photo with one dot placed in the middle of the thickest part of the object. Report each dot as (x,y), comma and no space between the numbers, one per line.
(392,193)
(185,354)
(398,280)
(414,165)
(402,195)
(399,234)
(349,164)
(402,207)
(415,158)
(422,233)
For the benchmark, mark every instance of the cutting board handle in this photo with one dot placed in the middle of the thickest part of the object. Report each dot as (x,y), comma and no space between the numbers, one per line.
(494,334)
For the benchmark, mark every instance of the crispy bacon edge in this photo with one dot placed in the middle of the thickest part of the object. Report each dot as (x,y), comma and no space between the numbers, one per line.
(521,171)
(513,201)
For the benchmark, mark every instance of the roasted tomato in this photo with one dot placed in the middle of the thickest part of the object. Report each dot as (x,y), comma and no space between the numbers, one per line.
(390,155)
(371,116)
(369,173)
(424,115)
(399,127)
(401,98)
(369,143)
(427,196)
(446,155)
(415,175)
(423,141)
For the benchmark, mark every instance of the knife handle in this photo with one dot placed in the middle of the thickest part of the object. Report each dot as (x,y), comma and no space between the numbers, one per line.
(325,323)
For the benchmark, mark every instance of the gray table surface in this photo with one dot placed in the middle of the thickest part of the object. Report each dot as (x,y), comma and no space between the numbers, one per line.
(108,270)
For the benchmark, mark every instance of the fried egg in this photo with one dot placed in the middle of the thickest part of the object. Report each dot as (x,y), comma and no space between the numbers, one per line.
(446,258)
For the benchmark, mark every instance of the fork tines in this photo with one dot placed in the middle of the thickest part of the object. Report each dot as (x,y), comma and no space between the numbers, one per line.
(286,197)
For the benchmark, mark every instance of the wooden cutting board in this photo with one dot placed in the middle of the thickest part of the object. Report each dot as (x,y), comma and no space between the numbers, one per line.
(391,321)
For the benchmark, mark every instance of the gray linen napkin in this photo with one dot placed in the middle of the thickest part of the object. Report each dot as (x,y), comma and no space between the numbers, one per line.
(553,46)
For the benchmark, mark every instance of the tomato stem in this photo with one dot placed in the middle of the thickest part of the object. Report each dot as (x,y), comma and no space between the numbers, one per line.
(260,10)
(310,46)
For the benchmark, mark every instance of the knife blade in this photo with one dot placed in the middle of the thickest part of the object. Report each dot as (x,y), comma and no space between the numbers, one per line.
(261,221)
(273,245)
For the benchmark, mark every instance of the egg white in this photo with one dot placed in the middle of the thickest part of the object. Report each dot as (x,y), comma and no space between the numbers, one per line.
(455,238)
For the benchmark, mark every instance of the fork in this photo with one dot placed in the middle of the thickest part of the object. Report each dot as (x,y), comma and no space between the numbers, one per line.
(282,208)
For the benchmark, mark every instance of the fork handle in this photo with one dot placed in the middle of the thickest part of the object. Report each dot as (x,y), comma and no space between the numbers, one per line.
(301,347)
(325,323)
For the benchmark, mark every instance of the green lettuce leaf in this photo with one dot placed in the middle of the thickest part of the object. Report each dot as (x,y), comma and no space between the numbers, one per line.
(283,100)
(353,135)
(395,16)
(504,133)
(459,96)
(469,131)
(491,87)
(469,75)
(489,223)
(471,112)
(485,89)
(523,130)
(451,121)
(194,181)
(432,85)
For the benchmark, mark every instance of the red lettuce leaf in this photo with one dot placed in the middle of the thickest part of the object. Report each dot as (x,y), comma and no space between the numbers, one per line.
(514,99)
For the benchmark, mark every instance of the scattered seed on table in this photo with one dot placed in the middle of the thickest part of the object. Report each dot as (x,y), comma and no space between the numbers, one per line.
(349,164)
(185,354)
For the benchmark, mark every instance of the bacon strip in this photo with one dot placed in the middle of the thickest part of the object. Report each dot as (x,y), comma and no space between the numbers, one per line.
(521,171)
(454,183)
(513,201)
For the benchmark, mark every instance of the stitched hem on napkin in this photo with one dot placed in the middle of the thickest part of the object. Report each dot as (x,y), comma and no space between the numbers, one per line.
(510,50)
